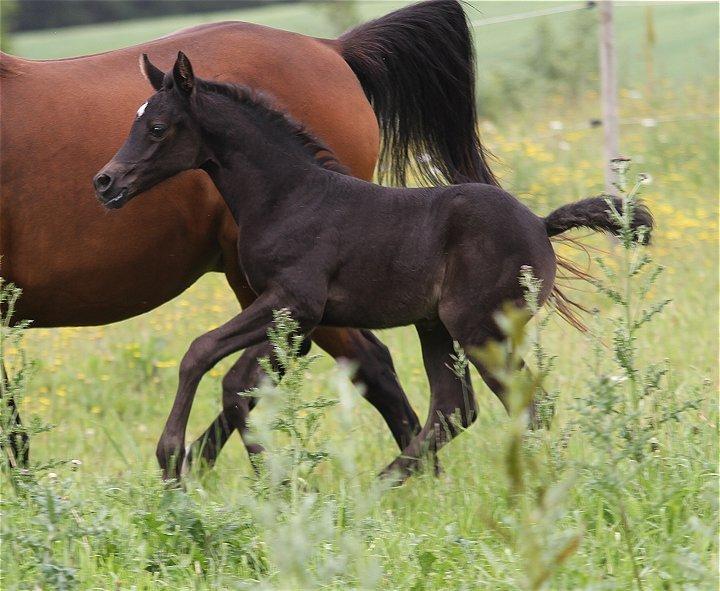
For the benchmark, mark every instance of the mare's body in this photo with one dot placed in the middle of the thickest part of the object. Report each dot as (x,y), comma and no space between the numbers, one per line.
(61,119)
(334,250)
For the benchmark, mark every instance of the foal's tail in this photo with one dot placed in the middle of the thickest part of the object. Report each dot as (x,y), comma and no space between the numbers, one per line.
(416,66)
(594,213)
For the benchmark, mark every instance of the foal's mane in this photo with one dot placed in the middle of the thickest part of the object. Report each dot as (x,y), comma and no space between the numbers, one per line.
(262,103)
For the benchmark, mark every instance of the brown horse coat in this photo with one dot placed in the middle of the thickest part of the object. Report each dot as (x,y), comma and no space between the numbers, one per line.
(62,119)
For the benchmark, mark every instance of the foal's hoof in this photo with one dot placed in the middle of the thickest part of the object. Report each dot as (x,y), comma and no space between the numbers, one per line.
(396,473)
(171,476)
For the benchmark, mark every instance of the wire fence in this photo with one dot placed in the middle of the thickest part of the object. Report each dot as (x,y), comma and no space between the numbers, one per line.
(607,59)
(531,14)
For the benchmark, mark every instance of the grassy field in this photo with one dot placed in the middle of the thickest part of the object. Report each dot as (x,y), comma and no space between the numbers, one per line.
(612,519)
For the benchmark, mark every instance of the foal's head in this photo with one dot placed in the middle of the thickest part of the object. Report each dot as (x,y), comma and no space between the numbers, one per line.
(164,139)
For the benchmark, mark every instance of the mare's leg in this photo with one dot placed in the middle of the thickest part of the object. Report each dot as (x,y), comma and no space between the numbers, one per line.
(452,403)
(19,452)
(247,329)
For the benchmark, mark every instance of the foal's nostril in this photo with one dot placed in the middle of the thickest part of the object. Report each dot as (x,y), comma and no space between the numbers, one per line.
(102,182)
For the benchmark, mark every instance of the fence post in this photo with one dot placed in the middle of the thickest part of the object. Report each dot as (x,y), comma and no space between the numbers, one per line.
(608,92)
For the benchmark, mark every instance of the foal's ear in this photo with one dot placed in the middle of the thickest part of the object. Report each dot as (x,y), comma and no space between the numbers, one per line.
(152,74)
(183,74)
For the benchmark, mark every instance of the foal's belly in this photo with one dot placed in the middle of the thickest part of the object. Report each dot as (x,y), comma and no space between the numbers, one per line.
(372,304)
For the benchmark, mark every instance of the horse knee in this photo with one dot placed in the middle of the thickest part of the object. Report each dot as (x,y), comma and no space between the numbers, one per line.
(198,359)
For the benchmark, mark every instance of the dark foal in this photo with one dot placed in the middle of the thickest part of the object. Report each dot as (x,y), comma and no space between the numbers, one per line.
(338,251)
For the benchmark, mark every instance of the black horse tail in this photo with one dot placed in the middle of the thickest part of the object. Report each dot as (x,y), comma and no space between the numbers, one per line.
(594,213)
(416,66)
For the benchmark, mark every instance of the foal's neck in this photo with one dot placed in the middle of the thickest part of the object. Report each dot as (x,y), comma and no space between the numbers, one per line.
(261,163)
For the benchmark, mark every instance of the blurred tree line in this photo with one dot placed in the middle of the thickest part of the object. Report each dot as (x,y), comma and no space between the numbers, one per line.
(25,15)
(560,60)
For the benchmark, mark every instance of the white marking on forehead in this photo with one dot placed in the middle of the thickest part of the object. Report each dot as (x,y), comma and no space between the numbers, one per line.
(141,110)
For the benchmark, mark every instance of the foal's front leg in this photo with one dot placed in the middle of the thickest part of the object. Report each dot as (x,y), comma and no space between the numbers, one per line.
(238,400)
(245,330)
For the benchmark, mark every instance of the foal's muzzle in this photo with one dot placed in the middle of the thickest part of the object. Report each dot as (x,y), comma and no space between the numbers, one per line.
(108,192)
(102,182)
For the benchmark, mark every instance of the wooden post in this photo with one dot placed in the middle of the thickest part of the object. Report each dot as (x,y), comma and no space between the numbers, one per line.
(649,51)
(608,92)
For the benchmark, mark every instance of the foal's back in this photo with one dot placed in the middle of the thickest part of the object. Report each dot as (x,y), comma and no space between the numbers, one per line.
(399,252)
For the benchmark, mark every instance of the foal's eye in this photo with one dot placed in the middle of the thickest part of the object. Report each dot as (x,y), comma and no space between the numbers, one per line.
(157,130)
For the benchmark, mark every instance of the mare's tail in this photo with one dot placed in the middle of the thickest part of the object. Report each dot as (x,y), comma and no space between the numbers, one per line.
(594,213)
(416,66)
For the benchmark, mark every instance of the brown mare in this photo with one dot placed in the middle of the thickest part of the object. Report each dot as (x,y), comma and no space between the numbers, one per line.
(63,119)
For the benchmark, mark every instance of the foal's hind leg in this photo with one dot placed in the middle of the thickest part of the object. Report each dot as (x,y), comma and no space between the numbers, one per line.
(452,403)
(474,334)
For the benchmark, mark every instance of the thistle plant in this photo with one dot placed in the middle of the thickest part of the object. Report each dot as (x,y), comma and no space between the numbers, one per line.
(294,415)
(631,409)
(15,372)
(627,406)
(13,436)
(311,538)
(35,488)
(538,501)
(545,402)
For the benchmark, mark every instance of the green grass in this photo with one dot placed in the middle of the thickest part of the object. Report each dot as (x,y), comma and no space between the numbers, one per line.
(109,389)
